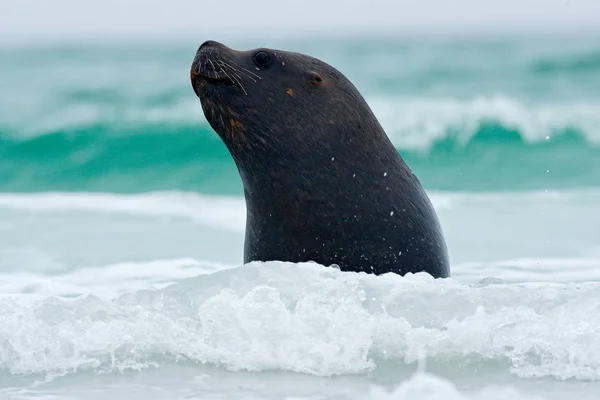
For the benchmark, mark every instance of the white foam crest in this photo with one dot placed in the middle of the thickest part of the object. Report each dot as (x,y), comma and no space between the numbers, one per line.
(184,111)
(311,319)
(415,123)
(220,212)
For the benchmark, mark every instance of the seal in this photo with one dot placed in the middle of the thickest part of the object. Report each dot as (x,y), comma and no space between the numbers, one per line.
(322,181)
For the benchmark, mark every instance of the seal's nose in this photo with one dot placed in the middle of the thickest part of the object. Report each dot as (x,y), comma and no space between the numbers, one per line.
(206,64)
(208,43)
(208,48)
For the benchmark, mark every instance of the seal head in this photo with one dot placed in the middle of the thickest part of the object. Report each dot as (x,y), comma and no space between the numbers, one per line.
(322,181)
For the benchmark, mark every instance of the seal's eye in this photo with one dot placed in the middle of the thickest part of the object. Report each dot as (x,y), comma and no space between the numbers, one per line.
(262,59)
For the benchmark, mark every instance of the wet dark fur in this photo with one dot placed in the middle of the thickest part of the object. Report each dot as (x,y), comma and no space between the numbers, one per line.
(322,181)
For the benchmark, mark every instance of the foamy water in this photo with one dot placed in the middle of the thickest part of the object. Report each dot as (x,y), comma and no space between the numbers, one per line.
(303,318)
(87,304)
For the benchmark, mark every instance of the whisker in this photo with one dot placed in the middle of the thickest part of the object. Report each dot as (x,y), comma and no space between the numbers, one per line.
(250,77)
(232,70)
(238,76)
(232,79)
(214,68)
(247,70)
(205,65)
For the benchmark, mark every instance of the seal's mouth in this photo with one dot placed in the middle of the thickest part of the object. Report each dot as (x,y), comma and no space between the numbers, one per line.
(201,78)
(210,70)
(218,80)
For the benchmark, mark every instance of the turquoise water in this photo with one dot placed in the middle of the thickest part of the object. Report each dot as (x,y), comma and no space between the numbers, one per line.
(466,115)
(122,226)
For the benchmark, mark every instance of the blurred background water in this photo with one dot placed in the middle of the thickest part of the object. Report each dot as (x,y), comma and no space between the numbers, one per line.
(122,216)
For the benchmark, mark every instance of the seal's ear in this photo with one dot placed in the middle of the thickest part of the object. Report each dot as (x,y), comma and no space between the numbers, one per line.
(315,78)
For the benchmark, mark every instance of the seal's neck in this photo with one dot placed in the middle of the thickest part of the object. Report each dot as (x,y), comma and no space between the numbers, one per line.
(312,173)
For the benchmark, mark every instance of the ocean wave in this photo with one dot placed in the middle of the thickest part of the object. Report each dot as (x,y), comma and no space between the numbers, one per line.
(411,122)
(451,145)
(586,62)
(310,319)
(417,123)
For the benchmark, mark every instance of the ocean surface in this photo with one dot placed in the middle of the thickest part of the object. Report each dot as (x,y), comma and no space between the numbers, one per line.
(122,223)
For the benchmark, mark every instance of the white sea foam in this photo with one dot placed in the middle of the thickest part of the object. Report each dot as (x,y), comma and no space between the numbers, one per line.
(414,123)
(310,319)
(106,281)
